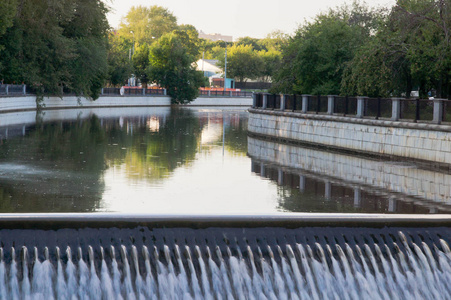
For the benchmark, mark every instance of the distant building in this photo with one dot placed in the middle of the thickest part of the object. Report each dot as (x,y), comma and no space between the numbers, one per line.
(215,37)
(209,67)
(214,73)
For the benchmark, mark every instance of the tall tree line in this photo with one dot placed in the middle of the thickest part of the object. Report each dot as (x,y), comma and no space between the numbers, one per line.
(359,50)
(54,45)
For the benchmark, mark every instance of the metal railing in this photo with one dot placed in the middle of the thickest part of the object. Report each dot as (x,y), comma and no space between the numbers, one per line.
(13,89)
(395,109)
(17,90)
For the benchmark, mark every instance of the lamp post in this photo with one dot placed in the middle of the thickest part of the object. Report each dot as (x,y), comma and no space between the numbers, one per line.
(130,55)
(225,65)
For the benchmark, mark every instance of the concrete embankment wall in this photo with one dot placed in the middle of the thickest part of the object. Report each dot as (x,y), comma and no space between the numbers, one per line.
(426,142)
(403,178)
(8,104)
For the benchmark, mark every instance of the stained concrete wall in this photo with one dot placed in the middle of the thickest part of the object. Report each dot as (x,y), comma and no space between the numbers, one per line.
(403,178)
(8,104)
(426,142)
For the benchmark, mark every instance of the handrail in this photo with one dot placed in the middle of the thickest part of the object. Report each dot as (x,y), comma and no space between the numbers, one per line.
(396,109)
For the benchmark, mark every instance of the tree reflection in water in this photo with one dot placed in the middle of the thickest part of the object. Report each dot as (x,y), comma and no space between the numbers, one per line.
(59,166)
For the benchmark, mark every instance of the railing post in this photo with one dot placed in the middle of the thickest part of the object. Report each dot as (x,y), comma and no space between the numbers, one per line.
(346,105)
(417,110)
(305,103)
(265,101)
(361,106)
(209,93)
(254,100)
(230,94)
(331,104)
(144,91)
(7,89)
(378,115)
(24,89)
(396,109)
(438,111)
(282,102)
(164,92)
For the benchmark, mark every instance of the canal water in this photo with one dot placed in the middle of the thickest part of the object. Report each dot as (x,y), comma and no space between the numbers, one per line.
(193,161)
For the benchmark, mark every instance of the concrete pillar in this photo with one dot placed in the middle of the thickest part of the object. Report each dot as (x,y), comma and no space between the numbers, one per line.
(262,170)
(328,190)
(361,107)
(7,89)
(396,109)
(23,130)
(265,101)
(254,100)
(24,89)
(438,111)
(301,183)
(230,93)
(280,177)
(304,103)
(392,205)
(331,104)
(209,93)
(282,102)
(357,197)
(144,91)
(164,92)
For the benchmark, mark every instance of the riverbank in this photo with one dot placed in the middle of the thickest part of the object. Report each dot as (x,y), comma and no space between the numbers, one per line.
(424,142)
(28,103)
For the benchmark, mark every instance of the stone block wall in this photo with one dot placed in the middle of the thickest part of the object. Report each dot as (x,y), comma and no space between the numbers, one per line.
(427,142)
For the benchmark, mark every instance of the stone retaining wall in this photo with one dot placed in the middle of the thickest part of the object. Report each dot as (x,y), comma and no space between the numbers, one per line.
(8,104)
(426,142)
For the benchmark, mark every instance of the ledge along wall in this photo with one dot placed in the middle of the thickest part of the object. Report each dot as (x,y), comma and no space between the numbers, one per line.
(24,103)
(398,178)
(420,141)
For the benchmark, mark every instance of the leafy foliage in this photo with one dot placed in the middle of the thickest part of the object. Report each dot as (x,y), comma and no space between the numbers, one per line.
(315,59)
(242,62)
(56,45)
(171,66)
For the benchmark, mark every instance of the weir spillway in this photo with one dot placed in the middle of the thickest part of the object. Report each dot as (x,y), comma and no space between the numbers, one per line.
(286,256)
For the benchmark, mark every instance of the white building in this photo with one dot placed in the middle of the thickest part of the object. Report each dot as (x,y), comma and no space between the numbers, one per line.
(209,67)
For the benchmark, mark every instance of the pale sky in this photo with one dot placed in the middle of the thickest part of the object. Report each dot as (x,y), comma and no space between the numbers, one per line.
(238,18)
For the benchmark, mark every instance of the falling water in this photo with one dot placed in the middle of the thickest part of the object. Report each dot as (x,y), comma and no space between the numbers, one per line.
(400,269)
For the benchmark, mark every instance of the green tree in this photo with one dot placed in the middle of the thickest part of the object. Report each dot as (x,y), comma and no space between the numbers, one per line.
(248,41)
(144,24)
(412,49)
(272,60)
(141,63)
(8,9)
(55,45)
(172,66)
(119,65)
(242,63)
(314,59)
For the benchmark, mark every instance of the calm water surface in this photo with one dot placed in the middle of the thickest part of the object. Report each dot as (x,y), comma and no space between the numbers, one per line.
(185,160)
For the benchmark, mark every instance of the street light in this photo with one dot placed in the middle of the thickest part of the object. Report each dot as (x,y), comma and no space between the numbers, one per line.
(225,65)
(130,51)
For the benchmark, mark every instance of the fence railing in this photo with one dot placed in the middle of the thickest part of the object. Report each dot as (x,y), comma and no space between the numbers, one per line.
(395,109)
(16,90)
(13,89)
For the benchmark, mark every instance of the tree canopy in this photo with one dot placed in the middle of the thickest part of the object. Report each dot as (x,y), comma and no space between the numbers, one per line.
(171,66)
(55,45)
